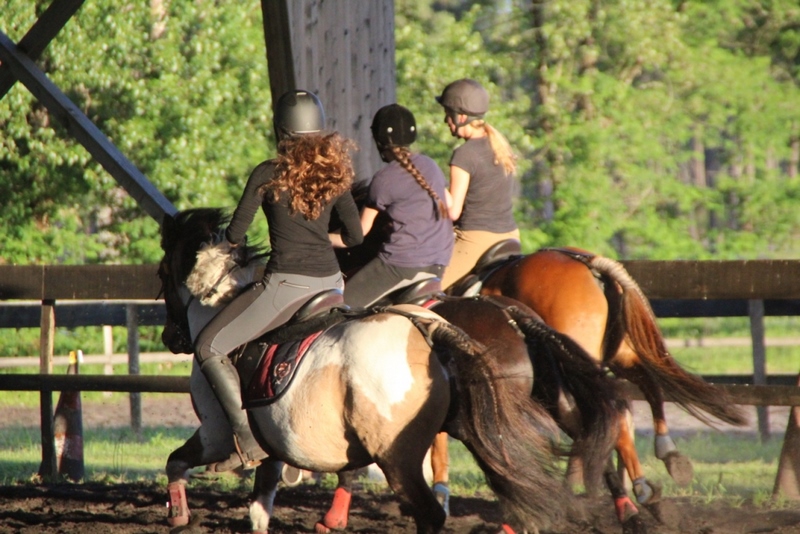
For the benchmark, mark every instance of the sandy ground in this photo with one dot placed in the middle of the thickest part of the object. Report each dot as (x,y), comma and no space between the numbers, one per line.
(139,507)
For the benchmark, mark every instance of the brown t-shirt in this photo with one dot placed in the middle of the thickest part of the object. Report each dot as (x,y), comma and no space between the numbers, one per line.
(488,204)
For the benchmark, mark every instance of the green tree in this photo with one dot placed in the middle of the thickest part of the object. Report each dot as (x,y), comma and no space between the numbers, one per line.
(180,87)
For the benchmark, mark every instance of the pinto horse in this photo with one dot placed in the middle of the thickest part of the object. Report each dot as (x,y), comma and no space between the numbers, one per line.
(538,363)
(372,388)
(596,302)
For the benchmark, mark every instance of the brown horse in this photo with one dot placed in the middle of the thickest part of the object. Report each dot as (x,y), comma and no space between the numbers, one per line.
(538,363)
(596,302)
(372,388)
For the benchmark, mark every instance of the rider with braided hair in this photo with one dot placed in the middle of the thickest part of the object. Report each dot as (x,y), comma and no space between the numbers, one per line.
(410,190)
(481,178)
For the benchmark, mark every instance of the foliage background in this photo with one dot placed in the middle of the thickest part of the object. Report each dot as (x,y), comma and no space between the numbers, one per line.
(659,129)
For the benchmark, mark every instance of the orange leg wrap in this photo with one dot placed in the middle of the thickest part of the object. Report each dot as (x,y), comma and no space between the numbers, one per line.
(625,508)
(178,508)
(336,518)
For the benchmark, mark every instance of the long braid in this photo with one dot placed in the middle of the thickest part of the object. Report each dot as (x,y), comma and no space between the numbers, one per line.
(403,156)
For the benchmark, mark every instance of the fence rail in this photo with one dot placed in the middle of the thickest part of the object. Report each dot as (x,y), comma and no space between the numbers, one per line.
(765,395)
(676,289)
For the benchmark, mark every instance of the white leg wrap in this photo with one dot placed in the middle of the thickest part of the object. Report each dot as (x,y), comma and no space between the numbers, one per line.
(664,445)
(261,510)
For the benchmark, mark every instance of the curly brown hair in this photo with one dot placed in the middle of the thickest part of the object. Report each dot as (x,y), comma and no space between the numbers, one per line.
(313,169)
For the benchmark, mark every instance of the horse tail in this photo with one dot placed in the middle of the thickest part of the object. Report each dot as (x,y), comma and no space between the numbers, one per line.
(562,367)
(512,438)
(689,391)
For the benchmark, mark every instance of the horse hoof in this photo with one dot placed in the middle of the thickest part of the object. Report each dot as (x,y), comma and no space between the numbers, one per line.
(291,476)
(679,468)
(655,510)
(626,510)
(634,525)
(646,492)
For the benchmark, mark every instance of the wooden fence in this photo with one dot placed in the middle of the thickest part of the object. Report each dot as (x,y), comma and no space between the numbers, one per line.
(755,289)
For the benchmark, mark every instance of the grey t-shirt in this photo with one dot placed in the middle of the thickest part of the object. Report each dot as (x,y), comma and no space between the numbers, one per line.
(488,204)
(418,238)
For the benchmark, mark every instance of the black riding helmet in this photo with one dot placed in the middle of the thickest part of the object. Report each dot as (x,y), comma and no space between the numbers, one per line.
(298,112)
(393,125)
(467,97)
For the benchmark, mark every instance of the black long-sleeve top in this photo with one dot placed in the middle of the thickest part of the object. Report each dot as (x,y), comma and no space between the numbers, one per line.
(298,245)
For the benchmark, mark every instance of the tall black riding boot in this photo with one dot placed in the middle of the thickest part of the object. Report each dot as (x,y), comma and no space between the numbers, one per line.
(224,380)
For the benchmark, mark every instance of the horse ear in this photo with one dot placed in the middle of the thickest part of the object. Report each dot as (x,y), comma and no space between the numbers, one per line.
(168,228)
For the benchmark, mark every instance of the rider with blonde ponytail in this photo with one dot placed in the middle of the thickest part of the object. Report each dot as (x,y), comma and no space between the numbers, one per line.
(411,191)
(481,178)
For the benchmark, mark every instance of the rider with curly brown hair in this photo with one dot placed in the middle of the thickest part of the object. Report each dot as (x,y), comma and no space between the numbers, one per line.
(298,191)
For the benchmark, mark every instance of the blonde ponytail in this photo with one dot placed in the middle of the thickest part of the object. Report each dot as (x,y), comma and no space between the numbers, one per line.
(503,154)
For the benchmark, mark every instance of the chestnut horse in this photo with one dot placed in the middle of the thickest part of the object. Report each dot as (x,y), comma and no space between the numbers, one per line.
(596,302)
(372,388)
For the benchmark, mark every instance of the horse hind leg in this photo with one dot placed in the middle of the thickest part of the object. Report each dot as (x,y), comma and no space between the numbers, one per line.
(648,493)
(338,514)
(404,474)
(440,465)
(627,513)
(677,464)
(264,489)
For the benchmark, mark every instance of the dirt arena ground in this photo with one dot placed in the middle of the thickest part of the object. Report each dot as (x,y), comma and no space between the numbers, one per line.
(140,508)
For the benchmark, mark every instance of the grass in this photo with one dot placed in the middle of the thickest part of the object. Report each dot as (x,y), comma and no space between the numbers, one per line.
(736,360)
(734,467)
(115,454)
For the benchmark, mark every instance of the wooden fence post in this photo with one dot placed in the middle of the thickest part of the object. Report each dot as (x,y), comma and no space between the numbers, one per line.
(755,309)
(132,320)
(49,468)
(108,350)
(787,482)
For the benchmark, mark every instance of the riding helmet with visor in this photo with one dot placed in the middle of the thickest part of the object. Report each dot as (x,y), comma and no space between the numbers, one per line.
(467,97)
(298,112)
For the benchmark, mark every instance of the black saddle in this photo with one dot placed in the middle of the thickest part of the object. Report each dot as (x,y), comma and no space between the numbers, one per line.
(495,256)
(417,293)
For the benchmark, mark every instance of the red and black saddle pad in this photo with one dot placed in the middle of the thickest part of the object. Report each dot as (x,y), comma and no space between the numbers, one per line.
(276,371)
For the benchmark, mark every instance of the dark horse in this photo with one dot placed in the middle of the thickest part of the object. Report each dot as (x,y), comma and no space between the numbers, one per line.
(371,388)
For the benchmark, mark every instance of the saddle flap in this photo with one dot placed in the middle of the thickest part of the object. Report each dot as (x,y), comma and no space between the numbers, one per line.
(275,371)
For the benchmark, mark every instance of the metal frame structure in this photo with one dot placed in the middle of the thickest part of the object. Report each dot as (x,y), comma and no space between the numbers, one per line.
(330,47)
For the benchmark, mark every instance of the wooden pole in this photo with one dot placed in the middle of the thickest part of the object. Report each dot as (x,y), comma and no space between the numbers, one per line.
(756,311)
(787,482)
(108,350)
(49,467)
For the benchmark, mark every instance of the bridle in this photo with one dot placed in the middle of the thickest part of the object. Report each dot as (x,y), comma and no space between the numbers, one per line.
(180,338)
